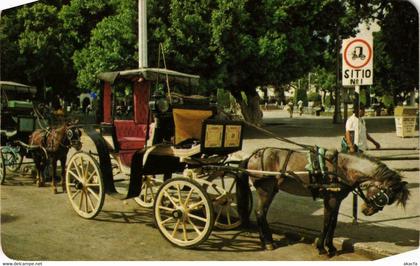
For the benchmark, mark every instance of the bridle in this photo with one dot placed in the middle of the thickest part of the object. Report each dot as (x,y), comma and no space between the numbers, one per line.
(379,199)
(70,134)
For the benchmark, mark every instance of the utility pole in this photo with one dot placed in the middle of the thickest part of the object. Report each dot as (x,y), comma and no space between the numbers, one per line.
(142,25)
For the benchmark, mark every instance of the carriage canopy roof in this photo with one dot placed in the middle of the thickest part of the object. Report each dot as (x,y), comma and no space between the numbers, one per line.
(16,87)
(152,74)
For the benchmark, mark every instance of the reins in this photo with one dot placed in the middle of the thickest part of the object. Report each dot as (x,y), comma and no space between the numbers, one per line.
(38,116)
(307,147)
(311,149)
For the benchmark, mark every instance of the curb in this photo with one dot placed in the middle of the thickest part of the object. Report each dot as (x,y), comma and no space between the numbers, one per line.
(339,242)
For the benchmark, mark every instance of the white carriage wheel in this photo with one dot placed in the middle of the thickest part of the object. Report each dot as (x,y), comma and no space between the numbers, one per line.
(85,187)
(183,212)
(222,191)
(149,188)
(2,168)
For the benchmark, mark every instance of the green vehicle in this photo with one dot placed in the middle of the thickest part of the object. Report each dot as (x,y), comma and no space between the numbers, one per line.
(17,120)
(17,124)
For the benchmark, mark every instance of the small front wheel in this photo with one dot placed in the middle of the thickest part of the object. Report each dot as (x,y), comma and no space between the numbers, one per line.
(13,160)
(183,212)
(84,184)
(2,168)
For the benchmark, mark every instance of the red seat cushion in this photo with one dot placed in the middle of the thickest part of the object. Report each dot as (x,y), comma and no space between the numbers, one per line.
(130,136)
(131,143)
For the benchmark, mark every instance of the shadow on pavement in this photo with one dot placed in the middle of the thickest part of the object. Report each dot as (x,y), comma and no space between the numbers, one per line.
(142,216)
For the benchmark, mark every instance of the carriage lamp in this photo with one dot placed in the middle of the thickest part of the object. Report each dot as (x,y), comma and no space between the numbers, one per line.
(162,105)
(159,103)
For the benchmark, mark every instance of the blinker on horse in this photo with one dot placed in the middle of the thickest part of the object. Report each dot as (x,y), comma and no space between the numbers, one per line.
(54,145)
(337,175)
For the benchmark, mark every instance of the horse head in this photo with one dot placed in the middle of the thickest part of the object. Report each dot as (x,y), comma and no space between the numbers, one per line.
(386,188)
(383,185)
(73,135)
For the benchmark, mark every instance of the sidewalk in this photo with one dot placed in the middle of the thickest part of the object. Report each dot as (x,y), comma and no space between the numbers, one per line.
(393,231)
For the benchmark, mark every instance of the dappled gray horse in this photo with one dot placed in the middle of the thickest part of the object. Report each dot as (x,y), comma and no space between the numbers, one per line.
(330,176)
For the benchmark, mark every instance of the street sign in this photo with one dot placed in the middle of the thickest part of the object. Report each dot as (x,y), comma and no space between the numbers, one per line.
(357,62)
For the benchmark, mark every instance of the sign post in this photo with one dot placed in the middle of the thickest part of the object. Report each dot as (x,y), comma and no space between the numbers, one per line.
(357,71)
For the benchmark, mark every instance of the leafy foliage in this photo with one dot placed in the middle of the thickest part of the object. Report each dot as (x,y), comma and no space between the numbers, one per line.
(396,50)
(111,47)
(38,52)
(235,45)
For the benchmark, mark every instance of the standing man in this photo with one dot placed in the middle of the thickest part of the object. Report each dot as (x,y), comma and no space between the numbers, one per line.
(356,136)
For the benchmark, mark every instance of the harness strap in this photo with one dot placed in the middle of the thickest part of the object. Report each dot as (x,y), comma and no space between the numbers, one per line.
(286,162)
(262,159)
(359,192)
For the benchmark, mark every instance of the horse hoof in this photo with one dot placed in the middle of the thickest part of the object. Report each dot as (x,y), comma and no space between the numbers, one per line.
(332,252)
(322,251)
(269,247)
(55,191)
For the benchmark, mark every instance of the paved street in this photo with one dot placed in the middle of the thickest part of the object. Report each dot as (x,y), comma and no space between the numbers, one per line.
(38,225)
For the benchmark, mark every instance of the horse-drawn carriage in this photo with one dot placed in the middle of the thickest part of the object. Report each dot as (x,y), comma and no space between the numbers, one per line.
(17,123)
(165,142)
(177,149)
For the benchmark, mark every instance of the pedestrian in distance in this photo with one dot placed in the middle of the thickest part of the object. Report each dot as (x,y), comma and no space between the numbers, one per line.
(356,136)
(289,108)
(300,106)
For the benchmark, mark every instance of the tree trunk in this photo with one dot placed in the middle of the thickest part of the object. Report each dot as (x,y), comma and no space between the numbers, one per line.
(250,108)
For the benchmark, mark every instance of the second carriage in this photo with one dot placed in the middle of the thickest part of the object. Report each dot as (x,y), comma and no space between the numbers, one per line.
(17,124)
(166,141)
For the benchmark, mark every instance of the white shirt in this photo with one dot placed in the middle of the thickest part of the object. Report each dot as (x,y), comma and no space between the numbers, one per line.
(358,125)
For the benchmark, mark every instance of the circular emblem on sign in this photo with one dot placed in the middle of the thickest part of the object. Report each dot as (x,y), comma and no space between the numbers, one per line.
(357,53)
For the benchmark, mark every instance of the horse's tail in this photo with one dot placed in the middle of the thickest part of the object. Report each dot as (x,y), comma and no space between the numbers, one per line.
(243,194)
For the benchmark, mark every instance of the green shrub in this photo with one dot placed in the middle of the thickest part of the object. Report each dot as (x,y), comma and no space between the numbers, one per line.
(328,101)
(223,98)
(314,97)
(388,101)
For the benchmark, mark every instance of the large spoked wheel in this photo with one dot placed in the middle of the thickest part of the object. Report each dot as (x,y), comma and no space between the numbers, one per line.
(183,212)
(222,191)
(149,188)
(2,168)
(85,187)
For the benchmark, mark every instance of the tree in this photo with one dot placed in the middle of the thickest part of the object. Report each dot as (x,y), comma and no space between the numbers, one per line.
(36,50)
(12,62)
(396,50)
(112,46)
(235,45)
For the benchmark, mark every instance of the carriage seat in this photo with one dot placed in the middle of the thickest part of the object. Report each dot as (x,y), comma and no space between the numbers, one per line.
(130,136)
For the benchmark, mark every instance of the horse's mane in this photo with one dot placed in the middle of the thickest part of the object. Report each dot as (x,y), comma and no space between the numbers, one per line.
(384,174)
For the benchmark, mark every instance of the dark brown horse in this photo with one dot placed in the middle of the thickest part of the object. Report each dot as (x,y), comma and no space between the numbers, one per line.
(56,142)
(330,176)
